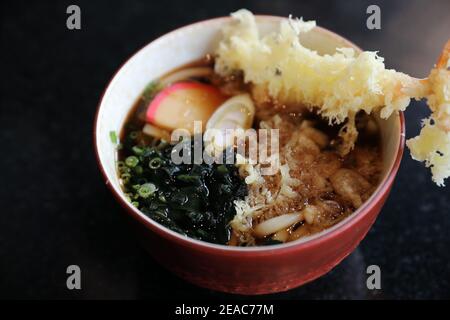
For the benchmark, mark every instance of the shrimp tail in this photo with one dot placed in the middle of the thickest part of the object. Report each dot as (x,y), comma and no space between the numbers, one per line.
(443,61)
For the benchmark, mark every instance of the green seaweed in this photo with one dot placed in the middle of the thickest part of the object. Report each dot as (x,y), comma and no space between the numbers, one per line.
(196,200)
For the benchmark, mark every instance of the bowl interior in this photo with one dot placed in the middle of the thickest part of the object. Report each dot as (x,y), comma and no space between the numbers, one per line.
(186,45)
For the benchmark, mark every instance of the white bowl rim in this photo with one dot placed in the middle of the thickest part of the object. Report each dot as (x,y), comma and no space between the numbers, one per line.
(346,223)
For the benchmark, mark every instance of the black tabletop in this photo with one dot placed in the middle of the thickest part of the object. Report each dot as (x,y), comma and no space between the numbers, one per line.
(56,210)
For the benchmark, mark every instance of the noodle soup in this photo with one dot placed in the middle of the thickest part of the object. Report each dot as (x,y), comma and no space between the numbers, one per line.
(320,180)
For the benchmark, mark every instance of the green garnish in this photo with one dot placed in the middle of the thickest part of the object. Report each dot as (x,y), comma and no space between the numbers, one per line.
(125,177)
(113,137)
(137,150)
(222,169)
(139,170)
(188,178)
(146,190)
(135,203)
(150,91)
(134,134)
(196,200)
(120,165)
(155,163)
(131,161)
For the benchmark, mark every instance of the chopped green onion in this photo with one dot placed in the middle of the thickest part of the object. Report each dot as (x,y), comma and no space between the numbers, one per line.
(125,177)
(134,134)
(137,151)
(131,161)
(139,170)
(146,190)
(222,169)
(155,163)
(135,203)
(120,165)
(113,137)
(150,91)
(124,169)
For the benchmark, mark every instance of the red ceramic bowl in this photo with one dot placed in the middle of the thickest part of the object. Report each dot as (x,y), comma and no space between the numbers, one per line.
(256,270)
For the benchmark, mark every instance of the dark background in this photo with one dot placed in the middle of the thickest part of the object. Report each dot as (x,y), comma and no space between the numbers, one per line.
(56,210)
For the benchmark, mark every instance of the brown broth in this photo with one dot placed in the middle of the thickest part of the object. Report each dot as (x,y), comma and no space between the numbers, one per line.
(318,180)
